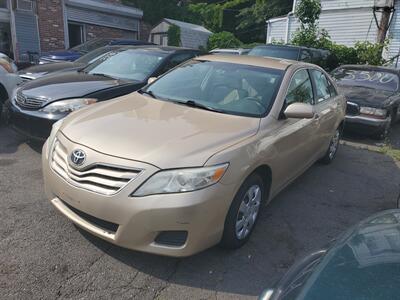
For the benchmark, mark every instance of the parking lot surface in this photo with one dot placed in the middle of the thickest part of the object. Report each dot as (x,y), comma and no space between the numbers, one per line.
(43,255)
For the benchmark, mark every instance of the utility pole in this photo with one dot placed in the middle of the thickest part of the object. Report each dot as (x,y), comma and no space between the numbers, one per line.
(384,24)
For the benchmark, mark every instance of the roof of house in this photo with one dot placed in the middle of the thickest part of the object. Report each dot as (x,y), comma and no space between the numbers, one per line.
(188,26)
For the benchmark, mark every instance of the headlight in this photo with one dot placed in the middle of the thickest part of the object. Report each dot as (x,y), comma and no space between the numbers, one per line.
(376,112)
(7,64)
(50,141)
(181,180)
(69,105)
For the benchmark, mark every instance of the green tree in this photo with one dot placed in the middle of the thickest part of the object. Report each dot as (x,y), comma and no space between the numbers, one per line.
(174,36)
(252,19)
(223,40)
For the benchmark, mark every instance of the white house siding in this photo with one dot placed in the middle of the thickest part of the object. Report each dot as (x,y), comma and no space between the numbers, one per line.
(347,22)
(345,4)
(348,26)
(394,33)
(277,31)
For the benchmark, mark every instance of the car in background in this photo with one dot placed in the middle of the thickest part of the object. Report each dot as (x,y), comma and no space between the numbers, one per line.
(373,98)
(188,161)
(9,79)
(362,264)
(37,104)
(238,51)
(41,70)
(323,58)
(74,53)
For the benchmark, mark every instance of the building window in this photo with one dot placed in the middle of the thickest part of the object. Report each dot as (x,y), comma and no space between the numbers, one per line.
(76,33)
(26,5)
(3,3)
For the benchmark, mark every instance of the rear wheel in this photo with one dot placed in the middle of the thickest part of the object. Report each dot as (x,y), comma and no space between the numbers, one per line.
(243,213)
(333,147)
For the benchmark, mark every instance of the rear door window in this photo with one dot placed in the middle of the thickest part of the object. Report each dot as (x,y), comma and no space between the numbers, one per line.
(322,89)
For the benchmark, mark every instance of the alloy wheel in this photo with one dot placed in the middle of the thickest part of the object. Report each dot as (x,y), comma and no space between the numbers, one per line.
(334,144)
(248,212)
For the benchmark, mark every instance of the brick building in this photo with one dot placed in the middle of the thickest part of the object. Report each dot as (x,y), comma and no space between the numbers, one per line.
(45,25)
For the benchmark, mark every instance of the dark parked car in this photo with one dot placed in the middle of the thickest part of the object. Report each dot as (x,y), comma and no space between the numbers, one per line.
(74,53)
(320,57)
(41,70)
(373,98)
(38,104)
(363,264)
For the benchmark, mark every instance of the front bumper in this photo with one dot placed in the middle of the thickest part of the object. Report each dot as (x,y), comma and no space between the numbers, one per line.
(32,124)
(140,220)
(365,125)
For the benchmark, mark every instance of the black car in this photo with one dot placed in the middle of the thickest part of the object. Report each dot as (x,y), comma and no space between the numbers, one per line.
(37,104)
(76,52)
(363,264)
(373,98)
(323,58)
(41,70)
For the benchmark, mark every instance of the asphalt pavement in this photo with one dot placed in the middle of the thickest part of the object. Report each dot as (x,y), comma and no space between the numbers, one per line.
(44,256)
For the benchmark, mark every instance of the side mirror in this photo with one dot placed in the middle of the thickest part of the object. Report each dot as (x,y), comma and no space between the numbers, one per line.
(299,111)
(151,80)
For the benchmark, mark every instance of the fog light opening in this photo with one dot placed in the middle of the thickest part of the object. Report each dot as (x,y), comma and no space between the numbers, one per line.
(172,238)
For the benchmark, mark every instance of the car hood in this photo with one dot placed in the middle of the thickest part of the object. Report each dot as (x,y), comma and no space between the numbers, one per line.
(44,69)
(61,55)
(158,132)
(366,96)
(362,264)
(67,85)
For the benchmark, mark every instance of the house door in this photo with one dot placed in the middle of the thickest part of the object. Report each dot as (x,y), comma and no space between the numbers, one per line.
(76,33)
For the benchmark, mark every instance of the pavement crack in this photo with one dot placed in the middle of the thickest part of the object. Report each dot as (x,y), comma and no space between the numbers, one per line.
(167,281)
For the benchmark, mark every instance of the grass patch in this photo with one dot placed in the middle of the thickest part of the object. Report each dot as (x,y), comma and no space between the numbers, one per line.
(388,150)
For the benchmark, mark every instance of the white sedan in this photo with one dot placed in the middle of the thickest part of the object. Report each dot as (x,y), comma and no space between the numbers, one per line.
(8,78)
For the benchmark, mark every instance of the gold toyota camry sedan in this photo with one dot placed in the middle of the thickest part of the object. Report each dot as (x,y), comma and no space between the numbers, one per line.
(188,161)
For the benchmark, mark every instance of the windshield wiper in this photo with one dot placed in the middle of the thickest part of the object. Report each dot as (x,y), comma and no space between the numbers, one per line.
(150,93)
(195,104)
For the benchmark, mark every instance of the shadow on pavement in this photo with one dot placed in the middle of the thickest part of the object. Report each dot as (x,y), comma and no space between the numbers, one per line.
(10,140)
(316,208)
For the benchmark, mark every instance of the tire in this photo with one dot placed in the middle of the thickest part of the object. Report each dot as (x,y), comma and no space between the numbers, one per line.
(3,98)
(333,147)
(243,212)
(384,133)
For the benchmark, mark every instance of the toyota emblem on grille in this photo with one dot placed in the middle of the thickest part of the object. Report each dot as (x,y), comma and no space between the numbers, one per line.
(78,157)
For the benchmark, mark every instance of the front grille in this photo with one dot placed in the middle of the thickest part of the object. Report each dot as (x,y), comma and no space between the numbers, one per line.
(103,224)
(98,178)
(29,102)
(353,109)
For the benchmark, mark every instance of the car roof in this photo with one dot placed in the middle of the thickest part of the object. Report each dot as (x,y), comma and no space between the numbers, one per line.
(290,47)
(167,49)
(258,61)
(371,68)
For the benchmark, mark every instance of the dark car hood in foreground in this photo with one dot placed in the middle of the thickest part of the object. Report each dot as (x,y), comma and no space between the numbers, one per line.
(366,96)
(363,264)
(68,85)
(41,70)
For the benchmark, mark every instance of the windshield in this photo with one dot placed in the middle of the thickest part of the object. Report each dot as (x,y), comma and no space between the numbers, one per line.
(91,45)
(367,78)
(93,55)
(223,87)
(131,64)
(278,52)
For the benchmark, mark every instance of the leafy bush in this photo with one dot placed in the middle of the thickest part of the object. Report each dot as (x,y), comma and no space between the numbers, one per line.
(174,36)
(309,35)
(223,39)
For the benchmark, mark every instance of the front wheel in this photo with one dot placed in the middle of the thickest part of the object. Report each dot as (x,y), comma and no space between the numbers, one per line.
(243,213)
(333,147)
